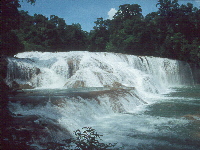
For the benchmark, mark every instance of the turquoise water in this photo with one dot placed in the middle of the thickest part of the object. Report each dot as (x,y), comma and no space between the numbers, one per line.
(183,104)
(135,117)
(171,123)
(180,102)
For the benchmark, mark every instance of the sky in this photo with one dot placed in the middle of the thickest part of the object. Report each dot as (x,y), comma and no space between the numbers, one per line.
(86,12)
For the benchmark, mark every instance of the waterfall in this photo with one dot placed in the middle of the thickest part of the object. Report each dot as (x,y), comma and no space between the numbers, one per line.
(76,89)
(101,69)
(138,102)
(118,82)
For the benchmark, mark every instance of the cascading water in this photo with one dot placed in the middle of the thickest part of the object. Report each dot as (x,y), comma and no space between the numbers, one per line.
(77,89)
(85,69)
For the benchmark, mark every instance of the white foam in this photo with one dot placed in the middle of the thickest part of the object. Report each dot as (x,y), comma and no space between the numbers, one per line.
(63,69)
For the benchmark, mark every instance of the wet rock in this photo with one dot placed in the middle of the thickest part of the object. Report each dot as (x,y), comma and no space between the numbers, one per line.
(33,129)
(78,84)
(114,85)
(192,117)
(16,86)
(37,71)
(25,86)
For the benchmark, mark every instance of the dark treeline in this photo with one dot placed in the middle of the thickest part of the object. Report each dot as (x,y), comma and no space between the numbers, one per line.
(40,33)
(173,32)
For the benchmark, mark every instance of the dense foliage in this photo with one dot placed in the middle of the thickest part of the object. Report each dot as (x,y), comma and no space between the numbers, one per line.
(49,34)
(173,32)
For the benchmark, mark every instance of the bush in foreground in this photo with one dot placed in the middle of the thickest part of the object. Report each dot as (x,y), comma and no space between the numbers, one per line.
(88,139)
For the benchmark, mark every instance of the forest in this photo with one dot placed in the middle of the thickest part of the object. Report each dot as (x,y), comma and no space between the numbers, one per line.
(173,31)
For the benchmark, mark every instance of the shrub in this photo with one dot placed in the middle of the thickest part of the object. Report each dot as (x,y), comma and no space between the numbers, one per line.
(88,139)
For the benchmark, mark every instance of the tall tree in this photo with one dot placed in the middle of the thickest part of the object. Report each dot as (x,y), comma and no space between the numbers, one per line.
(99,37)
(125,28)
(128,11)
(9,17)
(76,38)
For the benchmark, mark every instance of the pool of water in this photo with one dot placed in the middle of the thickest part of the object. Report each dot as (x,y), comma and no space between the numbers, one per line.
(170,121)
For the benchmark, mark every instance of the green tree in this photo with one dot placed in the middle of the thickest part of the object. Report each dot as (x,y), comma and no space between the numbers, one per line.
(99,37)
(42,34)
(125,29)
(9,17)
(186,21)
(128,11)
(179,26)
(167,7)
(76,38)
(10,43)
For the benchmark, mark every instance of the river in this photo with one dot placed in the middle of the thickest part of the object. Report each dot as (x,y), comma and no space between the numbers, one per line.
(138,102)
(168,121)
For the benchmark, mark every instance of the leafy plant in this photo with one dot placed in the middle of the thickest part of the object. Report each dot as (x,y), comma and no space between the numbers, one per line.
(88,139)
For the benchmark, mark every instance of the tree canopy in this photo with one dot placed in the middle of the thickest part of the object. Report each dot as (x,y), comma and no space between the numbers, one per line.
(173,31)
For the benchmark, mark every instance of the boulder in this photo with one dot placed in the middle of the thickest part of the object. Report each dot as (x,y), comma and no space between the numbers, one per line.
(16,86)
